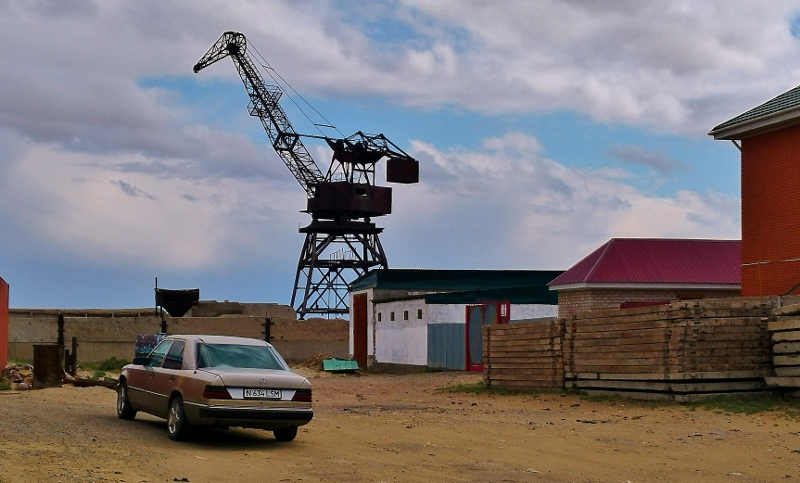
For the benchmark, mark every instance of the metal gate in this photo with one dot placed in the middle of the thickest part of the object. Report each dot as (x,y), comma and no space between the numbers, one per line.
(477,316)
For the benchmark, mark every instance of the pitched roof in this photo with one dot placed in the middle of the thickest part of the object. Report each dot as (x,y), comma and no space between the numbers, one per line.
(656,261)
(451,280)
(777,112)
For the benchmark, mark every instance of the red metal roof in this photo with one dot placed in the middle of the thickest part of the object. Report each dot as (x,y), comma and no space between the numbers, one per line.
(653,260)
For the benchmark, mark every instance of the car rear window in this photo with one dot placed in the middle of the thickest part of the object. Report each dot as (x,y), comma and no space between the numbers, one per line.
(242,356)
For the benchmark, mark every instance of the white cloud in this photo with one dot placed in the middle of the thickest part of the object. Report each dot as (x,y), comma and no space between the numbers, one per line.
(102,217)
(509,206)
(109,157)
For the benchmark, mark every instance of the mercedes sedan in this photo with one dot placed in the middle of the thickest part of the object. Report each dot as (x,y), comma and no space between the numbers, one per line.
(215,381)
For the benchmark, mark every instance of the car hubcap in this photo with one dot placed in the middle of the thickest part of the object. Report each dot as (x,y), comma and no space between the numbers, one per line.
(120,399)
(173,417)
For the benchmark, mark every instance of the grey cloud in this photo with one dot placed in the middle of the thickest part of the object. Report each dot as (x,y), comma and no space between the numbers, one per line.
(131,190)
(639,156)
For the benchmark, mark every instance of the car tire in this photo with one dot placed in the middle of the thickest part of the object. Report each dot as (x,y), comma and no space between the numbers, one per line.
(285,434)
(178,427)
(124,409)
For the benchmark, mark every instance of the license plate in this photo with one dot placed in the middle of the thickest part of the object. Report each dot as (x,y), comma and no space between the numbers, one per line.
(262,393)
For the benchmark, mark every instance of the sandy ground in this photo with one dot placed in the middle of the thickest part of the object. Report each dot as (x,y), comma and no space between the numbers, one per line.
(375,428)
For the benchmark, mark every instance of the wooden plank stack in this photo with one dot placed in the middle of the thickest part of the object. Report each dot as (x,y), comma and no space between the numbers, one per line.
(785,331)
(679,351)
(525,355)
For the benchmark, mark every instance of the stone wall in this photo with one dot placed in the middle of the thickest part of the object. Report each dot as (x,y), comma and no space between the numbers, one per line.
(102,334)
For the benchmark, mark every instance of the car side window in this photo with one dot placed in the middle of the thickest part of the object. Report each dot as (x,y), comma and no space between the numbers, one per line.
(174,359)
(157,356)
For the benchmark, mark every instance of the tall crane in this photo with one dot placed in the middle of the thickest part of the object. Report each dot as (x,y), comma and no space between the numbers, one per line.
(341,243)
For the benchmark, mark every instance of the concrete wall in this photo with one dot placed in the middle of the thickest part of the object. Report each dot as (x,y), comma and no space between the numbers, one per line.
(404,341)
(524,312)
(445,314)
(103,334)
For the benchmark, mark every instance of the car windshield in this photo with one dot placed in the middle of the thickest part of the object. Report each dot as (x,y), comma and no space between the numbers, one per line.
(242,356)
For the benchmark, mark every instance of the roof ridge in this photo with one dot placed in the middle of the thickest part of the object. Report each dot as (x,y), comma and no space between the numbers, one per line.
(605,250)
(777,107)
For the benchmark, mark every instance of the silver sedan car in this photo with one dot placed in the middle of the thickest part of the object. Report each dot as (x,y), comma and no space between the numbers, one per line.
(217,381)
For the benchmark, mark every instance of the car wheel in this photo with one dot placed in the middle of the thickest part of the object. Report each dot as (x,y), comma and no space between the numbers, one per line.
(285,434)
(178,427)
(124,409)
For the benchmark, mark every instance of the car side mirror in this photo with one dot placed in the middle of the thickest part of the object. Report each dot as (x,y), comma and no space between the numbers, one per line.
(141,361)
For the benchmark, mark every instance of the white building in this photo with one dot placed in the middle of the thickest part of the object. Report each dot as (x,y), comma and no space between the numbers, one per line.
(402,319)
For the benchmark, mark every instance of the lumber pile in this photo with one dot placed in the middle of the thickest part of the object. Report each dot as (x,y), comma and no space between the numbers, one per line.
(785,335)
(525,355)
(677,351)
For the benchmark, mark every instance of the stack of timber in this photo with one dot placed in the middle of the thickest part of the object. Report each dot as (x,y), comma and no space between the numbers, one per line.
(785,330)
(525,355)
(678,351)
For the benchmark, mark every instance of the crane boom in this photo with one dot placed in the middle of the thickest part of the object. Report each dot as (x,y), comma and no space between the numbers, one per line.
(264,105)
(342,242)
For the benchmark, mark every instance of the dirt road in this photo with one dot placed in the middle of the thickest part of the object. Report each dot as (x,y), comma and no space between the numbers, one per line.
(376,428)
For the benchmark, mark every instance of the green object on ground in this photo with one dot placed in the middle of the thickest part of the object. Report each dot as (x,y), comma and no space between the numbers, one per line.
(339,365)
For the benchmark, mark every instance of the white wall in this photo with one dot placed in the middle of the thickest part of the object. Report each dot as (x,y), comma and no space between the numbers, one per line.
(401,341)
(446,314)
(533,311)
(406,341)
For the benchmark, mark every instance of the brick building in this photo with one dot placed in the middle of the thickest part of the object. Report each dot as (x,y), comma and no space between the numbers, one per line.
(769,141)
(635,272)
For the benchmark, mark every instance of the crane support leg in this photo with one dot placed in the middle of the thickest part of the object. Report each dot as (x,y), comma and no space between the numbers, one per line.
(334,254)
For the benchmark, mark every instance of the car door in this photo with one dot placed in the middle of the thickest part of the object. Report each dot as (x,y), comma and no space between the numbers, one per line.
(142,382)
(166,377)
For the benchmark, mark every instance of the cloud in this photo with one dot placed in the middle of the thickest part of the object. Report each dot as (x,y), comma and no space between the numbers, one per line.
(637,155)
(131,190)
(82,212)
(116,155)
(509,207)
(677,67)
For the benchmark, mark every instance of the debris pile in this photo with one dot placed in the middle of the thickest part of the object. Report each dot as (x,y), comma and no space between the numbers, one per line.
(20,375)
(315,362)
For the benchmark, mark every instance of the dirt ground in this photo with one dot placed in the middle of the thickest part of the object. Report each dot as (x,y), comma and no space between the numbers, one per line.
(385,428)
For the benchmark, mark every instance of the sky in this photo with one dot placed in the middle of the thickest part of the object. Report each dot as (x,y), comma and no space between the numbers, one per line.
(542,128)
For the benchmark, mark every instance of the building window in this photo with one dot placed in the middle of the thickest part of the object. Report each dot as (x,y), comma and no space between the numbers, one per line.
(379,316)
(405,315)
(391,316)
(419,314)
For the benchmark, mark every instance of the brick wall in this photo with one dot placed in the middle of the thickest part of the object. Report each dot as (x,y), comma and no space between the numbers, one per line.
(770,213)
(571,302)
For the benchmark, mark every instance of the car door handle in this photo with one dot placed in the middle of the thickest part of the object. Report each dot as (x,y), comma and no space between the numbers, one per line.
(152,375)
(171,378)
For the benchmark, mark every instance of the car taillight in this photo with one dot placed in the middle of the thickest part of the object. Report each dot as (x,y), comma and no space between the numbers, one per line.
(302,395)
(216,392)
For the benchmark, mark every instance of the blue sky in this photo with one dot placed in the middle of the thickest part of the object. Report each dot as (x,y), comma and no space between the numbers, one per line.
(542,129)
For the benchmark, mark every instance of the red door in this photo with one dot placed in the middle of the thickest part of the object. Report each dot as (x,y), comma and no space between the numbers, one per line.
(477,316)
(360,329)
(3,323)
